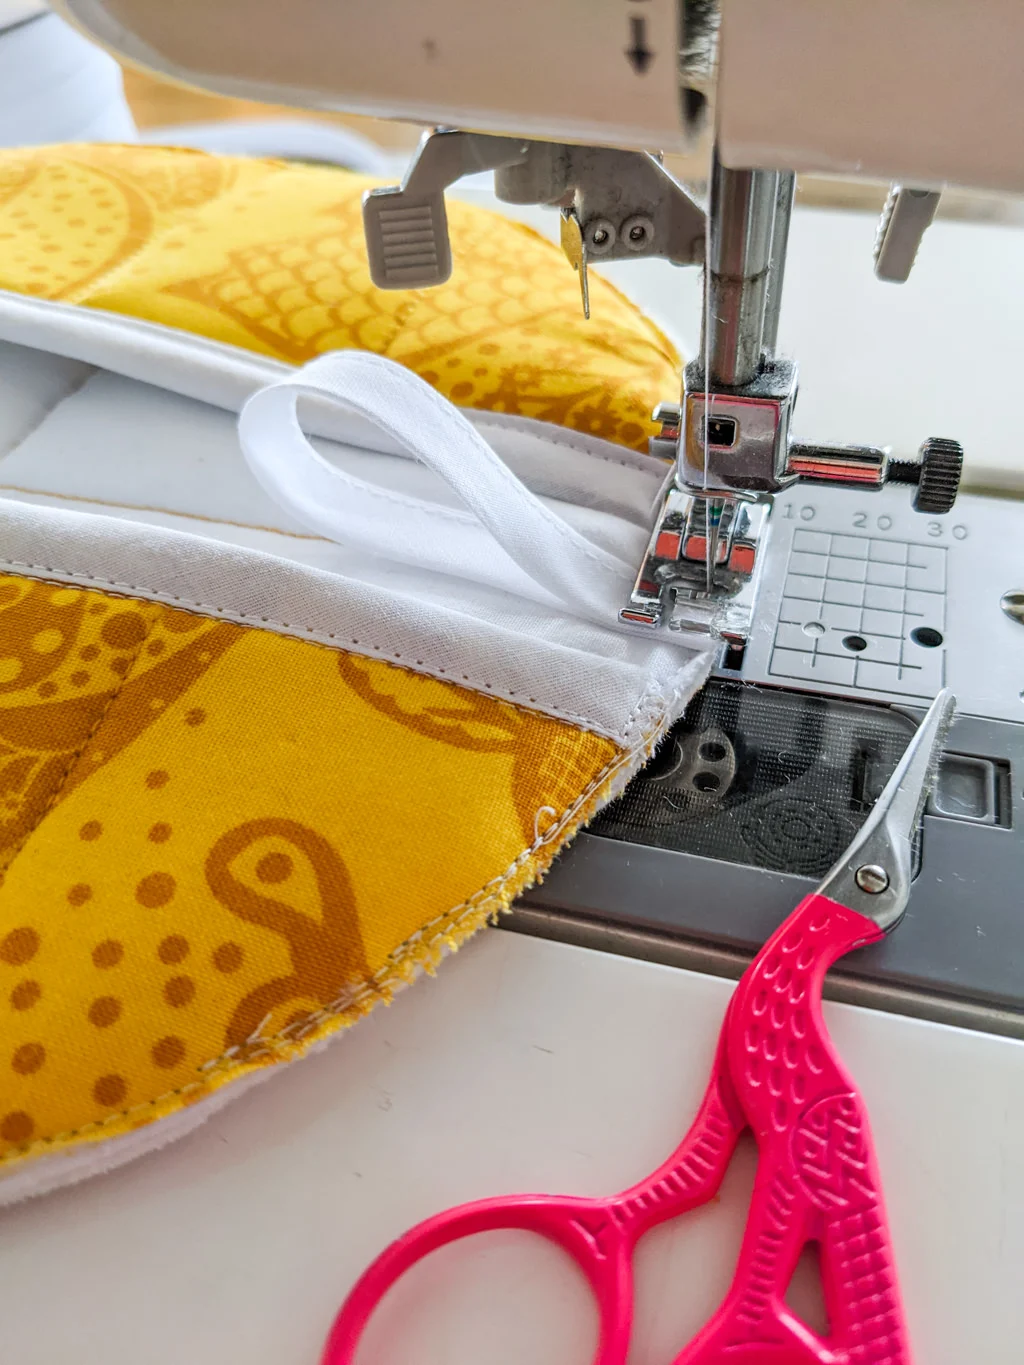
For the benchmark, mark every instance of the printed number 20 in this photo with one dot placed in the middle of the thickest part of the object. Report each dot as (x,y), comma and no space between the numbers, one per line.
(884,522)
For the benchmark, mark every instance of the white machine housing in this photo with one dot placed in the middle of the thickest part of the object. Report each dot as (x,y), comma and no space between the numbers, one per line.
(927,91)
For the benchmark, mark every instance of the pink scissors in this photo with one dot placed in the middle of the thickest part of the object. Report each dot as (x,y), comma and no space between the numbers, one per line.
(777,1073)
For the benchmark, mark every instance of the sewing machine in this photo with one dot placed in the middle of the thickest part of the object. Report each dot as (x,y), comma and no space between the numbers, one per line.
(841,600)
(844,583)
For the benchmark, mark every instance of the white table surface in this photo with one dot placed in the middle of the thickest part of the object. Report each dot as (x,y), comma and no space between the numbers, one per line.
(524,1065)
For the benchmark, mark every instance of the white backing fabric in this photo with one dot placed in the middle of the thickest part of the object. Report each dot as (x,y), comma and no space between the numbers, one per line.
(17,11)
(56,86)
(31,385)
(223,376)
(524,533)
(120,485)
(90,447)
(623,687)
(522,544)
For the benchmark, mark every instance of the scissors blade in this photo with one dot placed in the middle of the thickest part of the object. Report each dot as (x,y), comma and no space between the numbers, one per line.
(873,876)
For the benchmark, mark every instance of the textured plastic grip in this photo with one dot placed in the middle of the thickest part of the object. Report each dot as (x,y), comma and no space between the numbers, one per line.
(407,244)
(817,1177)
(776,1072)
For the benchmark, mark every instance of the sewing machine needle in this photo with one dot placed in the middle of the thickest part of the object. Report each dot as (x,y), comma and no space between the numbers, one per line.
(713,514)
(576,252)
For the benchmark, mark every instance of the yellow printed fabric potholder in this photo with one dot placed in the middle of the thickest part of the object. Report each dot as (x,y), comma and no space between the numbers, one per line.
(225,833)
(270,257)
(218,844)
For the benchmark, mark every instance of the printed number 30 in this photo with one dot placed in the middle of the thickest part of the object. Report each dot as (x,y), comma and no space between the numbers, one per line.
(935,528)
(958,532)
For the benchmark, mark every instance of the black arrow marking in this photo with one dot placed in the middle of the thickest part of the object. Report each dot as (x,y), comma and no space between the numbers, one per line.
(640,55)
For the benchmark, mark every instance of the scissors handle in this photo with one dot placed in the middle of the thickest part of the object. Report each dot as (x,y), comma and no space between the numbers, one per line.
(777,1072)
(599,1234)
(582,1227)
(817,1177)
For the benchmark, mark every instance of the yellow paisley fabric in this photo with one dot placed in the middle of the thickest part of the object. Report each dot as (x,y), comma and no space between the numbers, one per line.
(270,257)
(219,844)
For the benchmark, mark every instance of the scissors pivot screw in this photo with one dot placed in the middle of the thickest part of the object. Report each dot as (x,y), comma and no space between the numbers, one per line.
(872,878)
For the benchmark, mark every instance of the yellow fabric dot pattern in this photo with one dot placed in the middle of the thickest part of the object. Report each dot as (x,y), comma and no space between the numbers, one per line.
(194,890)
(270,257)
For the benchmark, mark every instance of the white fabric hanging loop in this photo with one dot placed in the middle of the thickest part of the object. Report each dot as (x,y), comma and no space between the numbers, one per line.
(586,578)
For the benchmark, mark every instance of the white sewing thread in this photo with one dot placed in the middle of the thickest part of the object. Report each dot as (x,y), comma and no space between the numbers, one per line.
(539,836)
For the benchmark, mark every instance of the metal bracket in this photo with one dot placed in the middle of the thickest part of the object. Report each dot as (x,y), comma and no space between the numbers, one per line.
(906,215)
(406,226)
(672,583)
(617,205)
(737,442)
